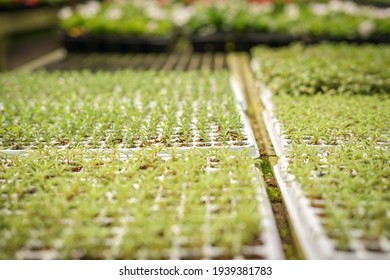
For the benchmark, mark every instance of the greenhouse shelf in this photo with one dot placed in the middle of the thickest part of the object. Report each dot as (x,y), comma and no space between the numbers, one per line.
(307,223)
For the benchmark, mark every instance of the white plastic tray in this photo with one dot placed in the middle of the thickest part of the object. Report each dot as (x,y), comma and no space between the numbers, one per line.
(272,247)
(273,126)
(311,235)
(267,246)
(249,144)
(238,94)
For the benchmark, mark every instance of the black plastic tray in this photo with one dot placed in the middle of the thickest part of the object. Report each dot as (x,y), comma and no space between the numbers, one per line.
(225,42)
(222,42)
(117,43)
(375,39)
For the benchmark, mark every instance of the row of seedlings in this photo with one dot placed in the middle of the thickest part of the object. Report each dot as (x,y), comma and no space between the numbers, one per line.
(326,111)
(135,169)
(125,110)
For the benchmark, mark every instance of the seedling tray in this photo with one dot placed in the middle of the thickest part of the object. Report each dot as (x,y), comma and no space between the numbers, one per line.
(222,42)
(207,127)
(306,220)
(252,39)
(280,141)
(248,143)
(118,43)
(219,42)
(376,39)
(169,194)
(152,61)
